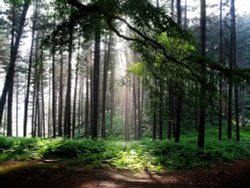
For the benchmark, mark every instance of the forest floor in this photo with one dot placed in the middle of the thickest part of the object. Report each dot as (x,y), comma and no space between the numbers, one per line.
(62,174)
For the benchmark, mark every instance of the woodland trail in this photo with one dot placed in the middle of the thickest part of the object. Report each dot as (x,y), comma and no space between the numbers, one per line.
(62,175)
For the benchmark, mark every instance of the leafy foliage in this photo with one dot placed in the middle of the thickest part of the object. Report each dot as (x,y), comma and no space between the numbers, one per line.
(136,155)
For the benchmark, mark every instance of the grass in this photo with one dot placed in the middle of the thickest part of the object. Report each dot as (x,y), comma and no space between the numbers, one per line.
(135,155)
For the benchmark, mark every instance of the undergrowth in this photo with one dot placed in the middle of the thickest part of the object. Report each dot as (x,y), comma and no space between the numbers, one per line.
(135,155)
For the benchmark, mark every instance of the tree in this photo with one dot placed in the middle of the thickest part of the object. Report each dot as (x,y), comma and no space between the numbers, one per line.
(67,116)
(53,53)
(60,102)
(26,103)
(233,63)
(95,98)
(221,61)
(178,97)
(9,79)
(202,105)
(104,90)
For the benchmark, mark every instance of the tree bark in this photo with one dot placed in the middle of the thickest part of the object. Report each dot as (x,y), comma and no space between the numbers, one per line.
(95,98)
(60,103)
(203,93)
(234,65)
(104,90)
(67,116)
(75,96)
(220,82)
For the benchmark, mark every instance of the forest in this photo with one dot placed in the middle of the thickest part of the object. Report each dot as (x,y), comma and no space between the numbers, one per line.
(124,93)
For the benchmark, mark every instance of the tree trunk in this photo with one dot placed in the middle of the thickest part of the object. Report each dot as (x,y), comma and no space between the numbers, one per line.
(178,8)
(154,113)
(42,93)
(157,3)
(9,116)
(104,90)
(74,103)
(53,88)
(95,98)
(8,84)
(60,103)
(17,101)
(221,61)
(203,93)
(178,96)
(67,117)
(112,93)
(49,107)
(185,15)
(127,114)
(170,113)
(135,118)
(140,107)
(178,118)
(87,103)
(234,64)
(172,8)
(26,102)
(161,93)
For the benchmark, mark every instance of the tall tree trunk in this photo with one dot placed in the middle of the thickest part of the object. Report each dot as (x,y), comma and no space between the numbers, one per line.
(60,103)
(178,96)
(39,88)
(127,134)
(95,98)
(170,113)
(112,93)
(9,117)
(67,117)
(49,107)
(8,84)
(104,90)
(161,93)
(17,101)
(203,93)
(33,121)
(53,95)
(26,102)
(74,102)
(154,106)
(185,15)
(53,89)
(172,8)
(42,93)
(140,107)
(80,104)
(5,121)
(37,111)
(234,64)
(178,118)
(135,117)
(221,61)
(243,106)
(178,8)
(87,103)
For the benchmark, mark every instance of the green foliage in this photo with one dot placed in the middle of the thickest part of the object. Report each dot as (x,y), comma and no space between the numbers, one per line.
(177,47)
(17,3)
(135,156)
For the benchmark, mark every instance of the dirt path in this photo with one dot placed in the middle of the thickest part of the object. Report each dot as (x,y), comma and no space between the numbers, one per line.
(61,175)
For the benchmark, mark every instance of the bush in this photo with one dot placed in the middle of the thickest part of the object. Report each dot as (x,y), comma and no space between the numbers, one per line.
(135,155)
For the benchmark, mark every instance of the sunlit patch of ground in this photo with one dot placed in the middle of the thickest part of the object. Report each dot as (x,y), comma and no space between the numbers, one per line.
(13,166)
